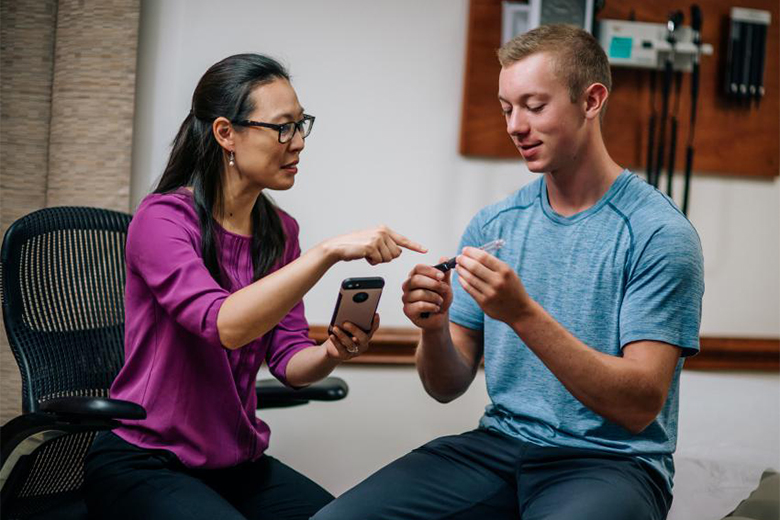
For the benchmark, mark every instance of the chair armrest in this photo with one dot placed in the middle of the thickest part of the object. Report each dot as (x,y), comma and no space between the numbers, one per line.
(15,431)
(273,394)
(93,408)
(67,415)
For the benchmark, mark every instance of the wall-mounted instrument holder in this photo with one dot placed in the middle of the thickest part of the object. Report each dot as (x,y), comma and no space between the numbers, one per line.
(647,45)
(744,70)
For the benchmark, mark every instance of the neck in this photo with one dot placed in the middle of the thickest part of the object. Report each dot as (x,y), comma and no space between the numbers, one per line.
(238,199)
(591,173)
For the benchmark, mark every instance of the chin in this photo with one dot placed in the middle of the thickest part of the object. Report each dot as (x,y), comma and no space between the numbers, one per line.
(537,166)
(284,185)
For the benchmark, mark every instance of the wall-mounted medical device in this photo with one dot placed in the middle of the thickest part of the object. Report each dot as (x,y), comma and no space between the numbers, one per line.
(673,49)
(648,45)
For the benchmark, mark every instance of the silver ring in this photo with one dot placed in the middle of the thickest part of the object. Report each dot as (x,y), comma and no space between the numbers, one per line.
(353,350)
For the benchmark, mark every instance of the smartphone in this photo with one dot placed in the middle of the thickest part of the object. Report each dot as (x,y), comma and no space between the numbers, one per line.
(357,302)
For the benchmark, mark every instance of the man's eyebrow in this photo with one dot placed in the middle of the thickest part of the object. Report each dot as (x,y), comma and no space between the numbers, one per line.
(524,97)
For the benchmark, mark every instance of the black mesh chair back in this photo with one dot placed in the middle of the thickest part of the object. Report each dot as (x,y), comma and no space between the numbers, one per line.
(63,281)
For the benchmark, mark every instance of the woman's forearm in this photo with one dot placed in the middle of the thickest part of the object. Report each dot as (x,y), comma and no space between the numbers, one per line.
(310,365)
(254,310)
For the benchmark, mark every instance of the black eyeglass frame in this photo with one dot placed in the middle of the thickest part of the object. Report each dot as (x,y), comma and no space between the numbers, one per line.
(280,127)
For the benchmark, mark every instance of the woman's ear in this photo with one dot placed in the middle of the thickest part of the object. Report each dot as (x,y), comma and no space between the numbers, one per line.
(595,100)
(224,133)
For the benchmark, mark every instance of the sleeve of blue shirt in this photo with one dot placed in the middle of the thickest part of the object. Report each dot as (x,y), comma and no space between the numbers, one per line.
(664,288)
(464,310)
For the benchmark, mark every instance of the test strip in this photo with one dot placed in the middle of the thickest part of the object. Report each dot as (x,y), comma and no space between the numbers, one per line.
(491,247)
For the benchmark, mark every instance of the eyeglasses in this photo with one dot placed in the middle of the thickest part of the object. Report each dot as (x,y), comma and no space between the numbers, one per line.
(286,130)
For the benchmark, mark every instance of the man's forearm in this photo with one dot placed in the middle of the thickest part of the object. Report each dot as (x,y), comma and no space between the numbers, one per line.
(622,390)
(444,371)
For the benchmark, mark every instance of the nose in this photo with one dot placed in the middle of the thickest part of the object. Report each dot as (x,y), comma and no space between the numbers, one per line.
(297,142)
(516,124)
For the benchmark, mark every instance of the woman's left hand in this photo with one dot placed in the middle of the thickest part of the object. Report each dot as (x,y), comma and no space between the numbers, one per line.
(349,341)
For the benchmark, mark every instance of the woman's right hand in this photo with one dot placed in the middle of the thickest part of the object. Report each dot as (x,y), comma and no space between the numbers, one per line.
(377,245)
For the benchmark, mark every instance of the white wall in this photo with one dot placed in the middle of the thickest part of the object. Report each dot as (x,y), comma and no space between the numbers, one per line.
(384,80)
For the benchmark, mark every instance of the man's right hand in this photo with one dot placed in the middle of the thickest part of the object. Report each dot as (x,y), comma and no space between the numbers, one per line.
(427,290)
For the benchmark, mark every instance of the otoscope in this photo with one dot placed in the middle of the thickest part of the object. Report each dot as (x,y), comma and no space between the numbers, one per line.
(651,130)
(673,138)
(696,23)
(675,19)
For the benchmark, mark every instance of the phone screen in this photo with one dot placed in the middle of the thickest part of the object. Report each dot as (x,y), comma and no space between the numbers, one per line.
(357,302)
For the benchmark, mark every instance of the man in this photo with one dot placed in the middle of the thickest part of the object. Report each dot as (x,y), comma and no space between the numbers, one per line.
(582,317)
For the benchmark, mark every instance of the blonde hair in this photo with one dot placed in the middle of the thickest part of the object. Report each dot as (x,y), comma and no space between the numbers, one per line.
(578,58)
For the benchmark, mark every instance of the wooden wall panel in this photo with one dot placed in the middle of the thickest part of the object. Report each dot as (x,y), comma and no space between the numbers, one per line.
(482,128)
(730,139)
(396,346)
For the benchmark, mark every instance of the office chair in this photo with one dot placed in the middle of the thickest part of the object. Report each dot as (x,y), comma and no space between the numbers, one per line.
(62,280)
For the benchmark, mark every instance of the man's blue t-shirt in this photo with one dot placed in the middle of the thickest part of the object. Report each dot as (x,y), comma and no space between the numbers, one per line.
(627,269)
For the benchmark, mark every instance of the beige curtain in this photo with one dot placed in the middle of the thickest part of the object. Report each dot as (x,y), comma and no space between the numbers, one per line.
(67,90)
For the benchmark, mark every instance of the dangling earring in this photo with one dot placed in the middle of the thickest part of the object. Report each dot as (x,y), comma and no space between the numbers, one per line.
(231,159)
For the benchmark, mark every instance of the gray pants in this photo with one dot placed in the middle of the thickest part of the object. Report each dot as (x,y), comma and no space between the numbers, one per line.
(485,475)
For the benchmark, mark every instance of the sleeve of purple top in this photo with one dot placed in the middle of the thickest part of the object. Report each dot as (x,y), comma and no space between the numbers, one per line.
(164,253)
(291,335)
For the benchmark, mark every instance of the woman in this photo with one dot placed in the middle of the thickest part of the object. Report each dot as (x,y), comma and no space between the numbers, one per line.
(215,279)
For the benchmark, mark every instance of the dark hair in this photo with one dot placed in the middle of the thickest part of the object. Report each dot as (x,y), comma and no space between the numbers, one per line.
(197,159)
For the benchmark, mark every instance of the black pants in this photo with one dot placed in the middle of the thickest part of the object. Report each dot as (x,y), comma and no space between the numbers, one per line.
(484,475)
(123,481)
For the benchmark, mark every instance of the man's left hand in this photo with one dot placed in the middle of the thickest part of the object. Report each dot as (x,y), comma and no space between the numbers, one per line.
(493,284)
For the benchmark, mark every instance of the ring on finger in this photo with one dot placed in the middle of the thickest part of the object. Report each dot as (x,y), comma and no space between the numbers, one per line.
(353,350)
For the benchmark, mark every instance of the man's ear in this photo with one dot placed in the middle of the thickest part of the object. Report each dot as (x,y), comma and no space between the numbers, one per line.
(595,99)
(224,133)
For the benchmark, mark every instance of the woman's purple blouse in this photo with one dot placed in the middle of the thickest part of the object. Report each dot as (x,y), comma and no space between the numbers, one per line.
(199,396)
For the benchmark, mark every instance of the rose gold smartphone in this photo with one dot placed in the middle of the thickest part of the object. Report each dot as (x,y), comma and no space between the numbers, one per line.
(357,302)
